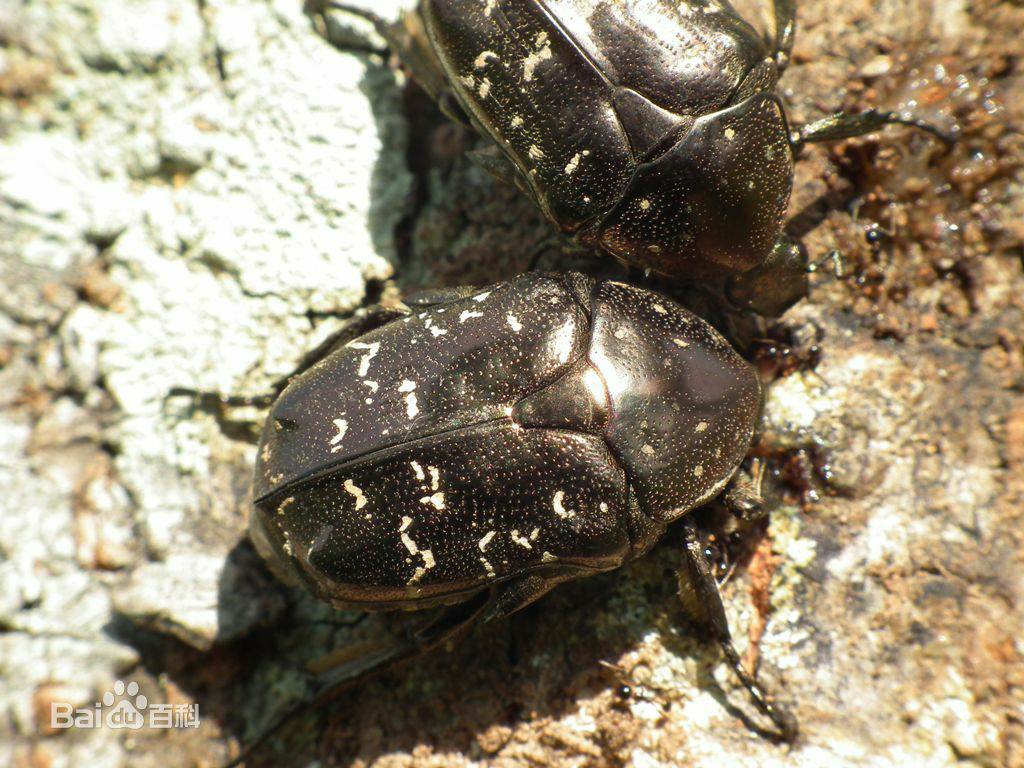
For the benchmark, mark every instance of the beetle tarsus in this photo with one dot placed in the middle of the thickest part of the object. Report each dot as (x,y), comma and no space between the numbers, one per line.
(833,259)
(407,39)
(846,126)
(785,723)
(705,606)
(785,32)
(379,23)
(211,401)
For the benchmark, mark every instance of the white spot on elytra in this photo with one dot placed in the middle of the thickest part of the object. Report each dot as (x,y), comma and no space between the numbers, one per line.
(411,406)
(603,507)
(701,427)
(485,88)
(417,469)
(364,361)
(485,541)
(547,557)
(513,323)
(519,539)
(487,566)
(534,534)
(698,471)
(357,492)
(660,309)
(467,314)
(681,343)
(435,478)
(342,426)
(413,548)
(373,385)
(438,331)
(573,164)
(481,60)
(436,499)
(542,53)
(535,152)
(647,450)
(560,510)
(620,333)
(468,80)
(284,505)
(517,121)
(645,204)
(481,296)
(730,134)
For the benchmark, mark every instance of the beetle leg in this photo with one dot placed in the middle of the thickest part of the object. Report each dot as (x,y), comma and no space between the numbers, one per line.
(834,261)
(342,670)
(745,499)
(408,39)
(351,665)
(436,297)
(515,595)
(374,317)
(704,603)
(785,32)
(844,126)
(495,162)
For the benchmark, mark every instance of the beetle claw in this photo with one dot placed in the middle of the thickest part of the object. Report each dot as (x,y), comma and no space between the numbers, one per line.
(787,727)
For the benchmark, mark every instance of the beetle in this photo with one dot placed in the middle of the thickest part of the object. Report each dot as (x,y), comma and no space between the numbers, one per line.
(650,130)
(474,448)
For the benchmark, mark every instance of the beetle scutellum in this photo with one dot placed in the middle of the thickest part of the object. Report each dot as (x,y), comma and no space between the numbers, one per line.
(477,449)
(648,129)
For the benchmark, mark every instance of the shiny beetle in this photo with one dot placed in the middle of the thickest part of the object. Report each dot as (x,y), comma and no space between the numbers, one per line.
(477,447)
(648,129)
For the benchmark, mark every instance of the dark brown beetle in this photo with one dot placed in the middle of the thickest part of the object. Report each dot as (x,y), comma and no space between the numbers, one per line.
(648,129)
(476,448)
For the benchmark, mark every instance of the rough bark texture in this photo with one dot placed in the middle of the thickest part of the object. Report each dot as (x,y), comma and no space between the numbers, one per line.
(192,194)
